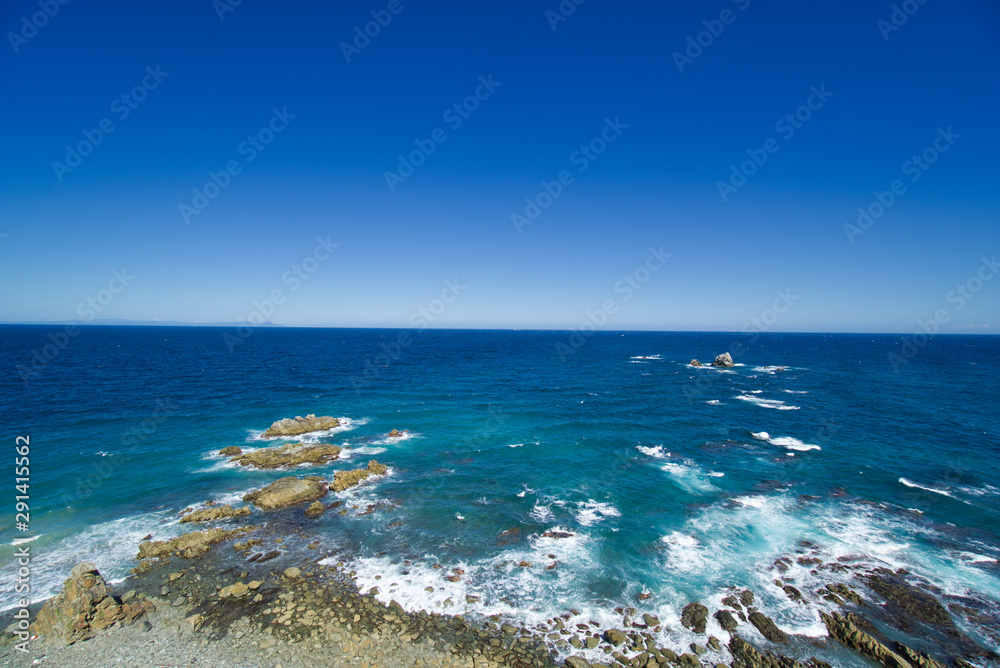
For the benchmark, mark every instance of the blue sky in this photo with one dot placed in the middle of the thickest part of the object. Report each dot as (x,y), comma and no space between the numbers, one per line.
(207,84)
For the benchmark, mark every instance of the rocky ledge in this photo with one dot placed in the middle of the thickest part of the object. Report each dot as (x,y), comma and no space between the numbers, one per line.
(215,513)
(286,456)
(301,425)
(345,479)
(724,360)
(288,491)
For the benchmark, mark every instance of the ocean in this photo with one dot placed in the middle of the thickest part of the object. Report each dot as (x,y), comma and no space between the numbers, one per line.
(650,476)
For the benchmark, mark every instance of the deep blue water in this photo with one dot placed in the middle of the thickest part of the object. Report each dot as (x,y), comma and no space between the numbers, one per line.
(663,472)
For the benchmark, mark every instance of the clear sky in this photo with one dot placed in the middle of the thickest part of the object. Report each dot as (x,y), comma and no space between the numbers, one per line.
(188,87)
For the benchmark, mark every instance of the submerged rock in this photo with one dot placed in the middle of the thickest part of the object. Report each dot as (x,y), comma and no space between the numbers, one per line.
(301,425)
(345,479)
(288,491)
(288,455)
(83,607)
(218,512)
(844,629)
(189,545)
(315,508)
(723,360)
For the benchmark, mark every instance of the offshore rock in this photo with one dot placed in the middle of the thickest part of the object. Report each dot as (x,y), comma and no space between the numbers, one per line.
(768,628)
(189,545)
(843,628)
(345,479)
(726,620)
(723,360)
(695,617)
(695,363)
(288,491)
(83,607)
(231,450)
(218,512)
(288,455)
(315,508)
(301,425)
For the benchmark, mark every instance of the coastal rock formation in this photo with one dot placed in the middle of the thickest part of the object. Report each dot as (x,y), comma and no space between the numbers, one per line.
(768,628)
(288,455)
(301,425)
(345,479)
(287,491)
(726,620)
(215,513)
(231,450)
(695,363)
(844,629)
(723,360)
(315,509)
(695,617)
(83,607)
(189,545)
(395,433)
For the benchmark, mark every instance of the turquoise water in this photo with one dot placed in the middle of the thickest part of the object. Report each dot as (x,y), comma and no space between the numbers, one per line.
(673,480)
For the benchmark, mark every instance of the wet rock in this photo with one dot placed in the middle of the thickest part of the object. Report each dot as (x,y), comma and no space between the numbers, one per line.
(83,608)
(843,591)
(726,620)
(768,628)
(395,433)
(615,637)
(292,572)
(231,451)
(189,545)
(288,491)
(723,360)
(746,598)
(914,601)
(301,425)
(315,509)
(289,455)
(215,513)
(650,620)
(695,363)
(557,534)
(845,630)
(577,662)
(695,617)
(346,479)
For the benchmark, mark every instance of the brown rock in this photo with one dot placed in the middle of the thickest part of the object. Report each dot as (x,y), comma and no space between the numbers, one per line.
(768,628)
(218,512)
(288,491)
(231,450)
(301,425)
(289,455)
(83,607)
(346,479)
(189,545)
(695,617)
(315,508)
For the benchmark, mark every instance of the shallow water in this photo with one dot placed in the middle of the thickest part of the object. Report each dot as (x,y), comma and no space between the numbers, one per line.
(672,480)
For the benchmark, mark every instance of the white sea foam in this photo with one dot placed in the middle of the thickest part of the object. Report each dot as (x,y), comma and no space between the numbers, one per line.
(346,424)
(974,558)
(767,403)
(689,476)
(761,435)
(516,445)
(648,357)
(714,402)
(541,513)
(591,512)
(655,451)
(769,369)
(926,488)
(22,541)
(795,391)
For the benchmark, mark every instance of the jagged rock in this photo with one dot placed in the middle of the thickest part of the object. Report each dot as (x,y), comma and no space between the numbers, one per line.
(289,455)
(218,512)
(914,601)
(844,629)
(395,433)
(557,534)
(723,360)
(345,479)
(726,620)
(231,450)
(695,617)
(287,491)
(768,628)
(696,363)
(315,508)
(916,658)
(234,591)
(843,591)
(301,425)
(83,607)
(746,598)
(189,545)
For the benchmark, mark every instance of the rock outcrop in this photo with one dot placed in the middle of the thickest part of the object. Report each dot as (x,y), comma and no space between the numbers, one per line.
(315,509)
(288,455)
(723,360)
(83,607)
(395,433)
(844,629)
(346,479)
(695,617)
(695,363)
(288,491)
(215,513)
(301,425)
(189,545)
(768,628)
(231,450)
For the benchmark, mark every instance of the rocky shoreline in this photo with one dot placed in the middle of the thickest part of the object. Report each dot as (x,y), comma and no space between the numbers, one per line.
(258,595)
